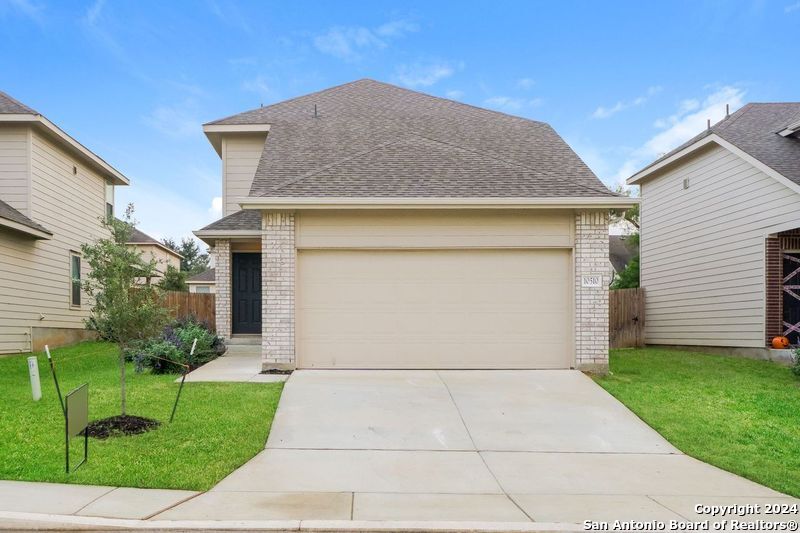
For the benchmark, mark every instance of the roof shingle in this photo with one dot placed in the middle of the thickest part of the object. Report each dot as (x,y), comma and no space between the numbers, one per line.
(372,139)
(9,213)
(9,105)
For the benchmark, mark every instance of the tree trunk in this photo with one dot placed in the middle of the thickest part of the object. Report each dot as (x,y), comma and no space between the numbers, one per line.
(122,376)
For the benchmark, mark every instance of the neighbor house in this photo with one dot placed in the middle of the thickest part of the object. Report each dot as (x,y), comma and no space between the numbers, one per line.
(152,249)
(370,226)
(720,236)
(204,282)
(54,194)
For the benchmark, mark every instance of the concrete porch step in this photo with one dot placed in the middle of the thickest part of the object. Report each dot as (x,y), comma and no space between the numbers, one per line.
(249,340)
(243,350)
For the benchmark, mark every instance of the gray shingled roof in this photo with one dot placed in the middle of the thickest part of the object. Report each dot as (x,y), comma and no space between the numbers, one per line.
(754,129)
(206,276)
(9,105)
(620,251)
(141,237)
(372,139)
(241,220)
(9,213)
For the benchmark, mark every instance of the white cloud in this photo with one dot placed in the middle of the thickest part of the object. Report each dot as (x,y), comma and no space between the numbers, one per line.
(606,112)
(162,212)
(526,83)
(512,104)
(423,74)
(94,12)
(175,121)
(688,120)
(259,86)
(792,7)
(27,8)
(216,207)
(454,94)
(351,42)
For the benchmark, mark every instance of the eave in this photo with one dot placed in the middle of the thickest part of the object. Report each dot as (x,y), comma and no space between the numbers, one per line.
(95,161)
(215,132)
(22,228)
(292,203)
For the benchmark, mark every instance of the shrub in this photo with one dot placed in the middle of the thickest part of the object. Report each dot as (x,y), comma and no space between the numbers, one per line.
(166,353)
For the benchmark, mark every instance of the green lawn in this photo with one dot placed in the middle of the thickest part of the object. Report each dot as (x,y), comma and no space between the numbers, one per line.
(218,426)
(738,414)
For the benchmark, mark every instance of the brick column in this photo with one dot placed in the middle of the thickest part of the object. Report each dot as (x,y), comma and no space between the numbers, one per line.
(278,257)
(222,272)
(591,303)
(773,290)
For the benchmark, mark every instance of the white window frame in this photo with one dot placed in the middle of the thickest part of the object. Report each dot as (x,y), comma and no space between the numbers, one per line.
(72,256)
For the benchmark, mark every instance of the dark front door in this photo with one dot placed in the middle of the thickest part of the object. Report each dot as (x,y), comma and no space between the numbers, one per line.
(791,297)
(246,293)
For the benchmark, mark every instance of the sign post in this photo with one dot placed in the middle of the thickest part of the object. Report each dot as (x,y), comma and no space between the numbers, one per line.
(76,416)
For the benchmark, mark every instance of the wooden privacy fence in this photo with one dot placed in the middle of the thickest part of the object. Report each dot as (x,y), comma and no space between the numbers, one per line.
(626,318)
(199,305)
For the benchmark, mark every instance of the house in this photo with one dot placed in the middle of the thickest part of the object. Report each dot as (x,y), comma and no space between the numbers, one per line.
(54,193)
(720,237)
(204,282)
(150,248)
(370,226)
(620,252)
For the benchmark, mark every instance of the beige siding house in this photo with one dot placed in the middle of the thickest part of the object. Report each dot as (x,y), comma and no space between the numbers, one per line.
(53,194)
(719,245)
(204,282)
(369,226)
(152,249)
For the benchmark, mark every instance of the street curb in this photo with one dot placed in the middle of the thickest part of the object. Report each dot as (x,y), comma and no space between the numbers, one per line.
(50,522)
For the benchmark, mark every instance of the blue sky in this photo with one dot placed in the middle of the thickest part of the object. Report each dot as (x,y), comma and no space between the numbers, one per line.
(622,82)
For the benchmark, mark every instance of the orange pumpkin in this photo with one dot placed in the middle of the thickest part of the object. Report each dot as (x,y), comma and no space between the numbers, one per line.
(780,343)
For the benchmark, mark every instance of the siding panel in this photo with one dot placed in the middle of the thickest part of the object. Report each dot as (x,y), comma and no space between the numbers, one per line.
(702,253)
(240,156)
(14,188)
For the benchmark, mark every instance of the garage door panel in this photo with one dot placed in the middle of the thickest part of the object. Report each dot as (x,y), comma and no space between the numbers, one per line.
(434,309)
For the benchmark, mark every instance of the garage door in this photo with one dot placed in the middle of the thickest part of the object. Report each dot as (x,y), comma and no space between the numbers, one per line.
(434,309)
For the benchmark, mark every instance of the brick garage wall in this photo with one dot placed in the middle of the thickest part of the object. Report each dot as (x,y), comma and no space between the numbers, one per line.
(278,258)
(222,265)
(591,304)
(773,290)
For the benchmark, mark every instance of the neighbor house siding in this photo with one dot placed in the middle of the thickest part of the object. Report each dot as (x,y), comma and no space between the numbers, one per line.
(35,280)
(703,249)
(163,258)
(240,156)
(15,167)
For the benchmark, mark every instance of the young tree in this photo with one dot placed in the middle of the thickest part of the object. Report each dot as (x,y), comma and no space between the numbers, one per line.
(125,309)
(194,260)
(174,280)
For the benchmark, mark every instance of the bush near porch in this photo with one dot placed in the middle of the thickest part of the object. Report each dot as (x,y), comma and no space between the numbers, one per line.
(741,415)
(217,427)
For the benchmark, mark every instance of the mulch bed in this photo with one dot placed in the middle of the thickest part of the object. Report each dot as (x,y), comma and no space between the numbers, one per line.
(121,425)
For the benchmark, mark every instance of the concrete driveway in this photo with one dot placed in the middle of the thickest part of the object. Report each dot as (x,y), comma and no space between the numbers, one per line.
(510,446)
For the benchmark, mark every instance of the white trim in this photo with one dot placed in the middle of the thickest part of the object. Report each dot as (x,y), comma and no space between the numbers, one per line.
(769,171)
(278,203)
(235,128)
(96,161)
(157,244)
(228,233)
(188,282)
(4,222)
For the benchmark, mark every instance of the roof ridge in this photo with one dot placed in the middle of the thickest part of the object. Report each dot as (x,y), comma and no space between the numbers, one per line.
(292,99)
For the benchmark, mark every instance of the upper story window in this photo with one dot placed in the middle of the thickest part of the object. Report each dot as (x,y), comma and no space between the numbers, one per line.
(109,201)
(75,279)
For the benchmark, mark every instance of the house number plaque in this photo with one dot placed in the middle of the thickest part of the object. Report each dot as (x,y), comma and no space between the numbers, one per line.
(592,281)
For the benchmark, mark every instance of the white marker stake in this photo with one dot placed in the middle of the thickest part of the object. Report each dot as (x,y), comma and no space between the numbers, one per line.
(194,345)
(33,371)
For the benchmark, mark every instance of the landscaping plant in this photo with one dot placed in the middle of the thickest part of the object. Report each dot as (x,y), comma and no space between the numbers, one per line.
(126,308)
(167,352)
(796,366)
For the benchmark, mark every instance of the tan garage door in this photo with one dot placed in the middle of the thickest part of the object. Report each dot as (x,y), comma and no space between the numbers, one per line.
(434,309)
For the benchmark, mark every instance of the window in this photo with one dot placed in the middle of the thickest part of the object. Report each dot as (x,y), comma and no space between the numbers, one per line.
(109,201)
(203,288)
(75,280)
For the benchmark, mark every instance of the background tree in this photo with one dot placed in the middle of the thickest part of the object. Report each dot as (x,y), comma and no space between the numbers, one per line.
(125,309)
(194,259)
(174,280)
(629,277)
